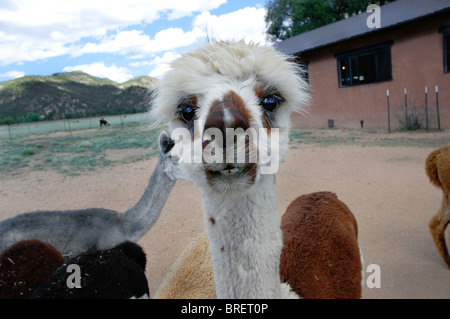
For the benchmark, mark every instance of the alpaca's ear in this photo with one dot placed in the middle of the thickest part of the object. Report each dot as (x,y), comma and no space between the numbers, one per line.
(165,143)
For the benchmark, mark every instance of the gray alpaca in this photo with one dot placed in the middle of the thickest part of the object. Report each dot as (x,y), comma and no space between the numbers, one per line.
(75,231)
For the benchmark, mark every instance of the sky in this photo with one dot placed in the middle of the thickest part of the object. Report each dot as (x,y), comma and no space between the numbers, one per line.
(116,39)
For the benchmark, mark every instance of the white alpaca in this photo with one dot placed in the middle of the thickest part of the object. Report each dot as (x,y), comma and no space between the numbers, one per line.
(252,91)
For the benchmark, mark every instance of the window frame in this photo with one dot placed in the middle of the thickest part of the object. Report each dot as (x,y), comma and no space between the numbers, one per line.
(349,55)
(305,70)
(445,42)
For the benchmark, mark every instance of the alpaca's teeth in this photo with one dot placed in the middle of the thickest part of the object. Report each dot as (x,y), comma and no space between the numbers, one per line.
(229,171)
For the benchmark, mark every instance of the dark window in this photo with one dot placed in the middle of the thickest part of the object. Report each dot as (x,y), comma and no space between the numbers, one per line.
(446,32)
(367,65)
(305,69)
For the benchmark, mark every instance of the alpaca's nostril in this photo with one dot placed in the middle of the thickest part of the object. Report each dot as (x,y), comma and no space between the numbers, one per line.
(215,119)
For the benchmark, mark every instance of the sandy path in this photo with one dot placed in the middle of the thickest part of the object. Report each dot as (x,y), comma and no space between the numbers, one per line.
(385,187)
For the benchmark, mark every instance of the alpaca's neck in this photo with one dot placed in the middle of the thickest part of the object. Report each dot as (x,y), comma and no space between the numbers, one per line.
(245,241)
(139,219)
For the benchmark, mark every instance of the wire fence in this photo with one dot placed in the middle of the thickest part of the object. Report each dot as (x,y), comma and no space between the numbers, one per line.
(413,116)
(35,128)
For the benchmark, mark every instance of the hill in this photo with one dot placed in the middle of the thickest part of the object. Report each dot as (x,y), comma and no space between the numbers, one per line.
(71,95)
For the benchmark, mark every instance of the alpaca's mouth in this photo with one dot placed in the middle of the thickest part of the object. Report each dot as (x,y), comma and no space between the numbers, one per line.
(231,170)
(232,173)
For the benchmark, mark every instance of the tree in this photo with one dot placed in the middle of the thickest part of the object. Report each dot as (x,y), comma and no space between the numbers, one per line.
(287,18)
(7,121)
(29,117)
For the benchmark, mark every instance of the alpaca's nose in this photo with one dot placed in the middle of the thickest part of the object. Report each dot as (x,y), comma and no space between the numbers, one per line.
(230,113)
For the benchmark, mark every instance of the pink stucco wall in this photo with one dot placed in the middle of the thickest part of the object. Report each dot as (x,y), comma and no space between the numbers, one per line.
(417,61)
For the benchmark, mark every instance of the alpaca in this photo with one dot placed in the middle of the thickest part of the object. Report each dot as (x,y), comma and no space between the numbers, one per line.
(437,167)
(243,89)
(191,276)
(319,232)
(103,122)
(72,232)
(24,266)
(117,273)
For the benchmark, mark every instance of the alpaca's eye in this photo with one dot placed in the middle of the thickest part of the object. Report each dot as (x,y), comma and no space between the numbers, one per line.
(187,112)
(270,103)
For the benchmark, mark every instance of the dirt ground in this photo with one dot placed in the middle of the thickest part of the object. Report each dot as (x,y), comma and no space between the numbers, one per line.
(385,187)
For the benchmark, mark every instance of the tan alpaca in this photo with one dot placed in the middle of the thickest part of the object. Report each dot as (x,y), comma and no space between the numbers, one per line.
(437,167)
(191,276)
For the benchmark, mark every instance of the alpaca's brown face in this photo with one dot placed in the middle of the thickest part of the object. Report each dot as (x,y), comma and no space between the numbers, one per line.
(229,109)
(226,147)
(230,136)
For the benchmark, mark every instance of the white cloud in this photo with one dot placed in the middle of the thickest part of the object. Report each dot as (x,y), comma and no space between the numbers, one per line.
(135,41)
(140,64)
(162,64)
(34,30)
(99,69)
(122,43)
(185,8)
(247,24)
(173,38)
(12,74)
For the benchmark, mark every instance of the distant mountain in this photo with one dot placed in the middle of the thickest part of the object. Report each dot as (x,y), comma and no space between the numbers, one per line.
(72,95)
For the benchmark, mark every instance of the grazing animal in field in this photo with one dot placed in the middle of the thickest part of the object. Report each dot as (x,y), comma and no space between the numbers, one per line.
(103,122)
(437,167)
(73,232)
(235,101)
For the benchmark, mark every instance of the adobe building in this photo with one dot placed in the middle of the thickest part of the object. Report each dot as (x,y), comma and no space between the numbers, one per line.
(353,64)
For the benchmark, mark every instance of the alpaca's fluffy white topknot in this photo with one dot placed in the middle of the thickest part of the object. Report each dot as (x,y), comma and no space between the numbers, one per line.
(203,70)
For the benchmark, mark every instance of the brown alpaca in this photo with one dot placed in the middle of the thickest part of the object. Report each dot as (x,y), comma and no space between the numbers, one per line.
(437,167)
(320,238)
(25,265)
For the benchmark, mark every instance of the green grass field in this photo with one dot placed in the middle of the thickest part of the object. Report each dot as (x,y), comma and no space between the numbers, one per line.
(72,153)
(72,125)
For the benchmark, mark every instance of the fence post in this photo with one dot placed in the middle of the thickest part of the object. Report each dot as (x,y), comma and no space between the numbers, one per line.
(70,130)
(389,112)
(406,99)
(426,108)
(9,130)
(437,107)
